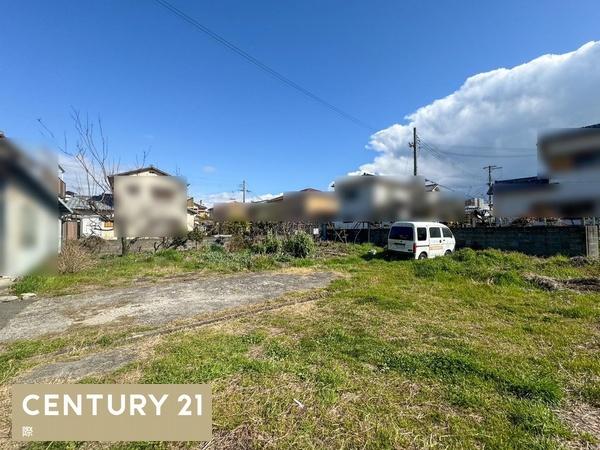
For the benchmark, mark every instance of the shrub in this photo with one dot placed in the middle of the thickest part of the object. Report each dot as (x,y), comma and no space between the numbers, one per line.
(273,243)
(92,243)
(238,243)
(267,244)
(299,245)
(73,258)
(216,248)
(196,235)
(236,227)
(240,239)
(258,247)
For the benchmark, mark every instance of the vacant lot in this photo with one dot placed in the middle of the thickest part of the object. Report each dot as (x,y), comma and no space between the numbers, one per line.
(151,303)
(474,350)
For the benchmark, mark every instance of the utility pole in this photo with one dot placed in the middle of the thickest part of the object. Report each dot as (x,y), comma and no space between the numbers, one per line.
(490,168)
(414,146)
(244,190)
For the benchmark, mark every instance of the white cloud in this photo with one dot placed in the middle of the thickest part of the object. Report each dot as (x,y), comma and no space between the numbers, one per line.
(209,169)
(504,110)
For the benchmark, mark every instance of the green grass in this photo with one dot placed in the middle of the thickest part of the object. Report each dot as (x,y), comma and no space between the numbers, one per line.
(115,270)
(17,356)
(456,352)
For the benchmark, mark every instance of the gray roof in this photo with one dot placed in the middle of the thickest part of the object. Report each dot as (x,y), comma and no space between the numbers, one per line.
(84,203)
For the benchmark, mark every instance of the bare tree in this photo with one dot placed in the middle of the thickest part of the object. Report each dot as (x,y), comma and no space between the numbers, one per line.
(91,152)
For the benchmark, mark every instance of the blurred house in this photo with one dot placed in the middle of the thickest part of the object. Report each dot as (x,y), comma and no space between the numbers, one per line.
(94,215)
(376,199)
(30,210)
(229,211)
(307,205)
(567,184)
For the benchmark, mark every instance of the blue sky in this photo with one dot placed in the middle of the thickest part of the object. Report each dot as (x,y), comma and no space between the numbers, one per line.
(158,83)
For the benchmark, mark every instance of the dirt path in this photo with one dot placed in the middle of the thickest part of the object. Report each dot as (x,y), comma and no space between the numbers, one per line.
(150,304)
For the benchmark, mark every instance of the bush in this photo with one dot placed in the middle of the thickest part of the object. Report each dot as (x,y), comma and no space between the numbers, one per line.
(92,243)
(236,227)
(196,235)
(273,244)
(299,245)
(270,244)
(258,247)
(73,258)
(238,243)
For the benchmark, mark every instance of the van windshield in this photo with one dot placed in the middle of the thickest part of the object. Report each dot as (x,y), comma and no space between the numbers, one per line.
(403,233)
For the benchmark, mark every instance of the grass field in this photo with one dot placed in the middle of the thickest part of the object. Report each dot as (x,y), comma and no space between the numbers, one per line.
(116,270)
(456,352)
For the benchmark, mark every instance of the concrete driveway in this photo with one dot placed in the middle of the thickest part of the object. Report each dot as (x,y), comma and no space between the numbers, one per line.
(150,304)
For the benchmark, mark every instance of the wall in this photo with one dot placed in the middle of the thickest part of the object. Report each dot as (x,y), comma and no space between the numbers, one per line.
(113,246)
(30,233)
(539,241)
(94,226)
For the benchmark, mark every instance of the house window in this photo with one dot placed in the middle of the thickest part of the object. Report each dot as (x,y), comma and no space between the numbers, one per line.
(109,224)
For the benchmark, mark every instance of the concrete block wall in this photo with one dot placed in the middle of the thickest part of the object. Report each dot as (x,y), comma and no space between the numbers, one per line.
(538,241)
(113,246)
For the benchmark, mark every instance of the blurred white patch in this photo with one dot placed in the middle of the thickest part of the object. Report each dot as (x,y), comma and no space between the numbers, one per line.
(29,213)
(149,206)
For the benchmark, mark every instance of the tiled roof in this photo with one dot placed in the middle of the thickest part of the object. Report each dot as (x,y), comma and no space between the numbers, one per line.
(84,203)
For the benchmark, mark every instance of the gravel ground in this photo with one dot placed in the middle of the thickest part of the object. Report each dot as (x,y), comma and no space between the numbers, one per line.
(149,304)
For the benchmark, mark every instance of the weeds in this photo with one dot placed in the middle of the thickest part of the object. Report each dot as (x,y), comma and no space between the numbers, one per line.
(458,352)
(455,352)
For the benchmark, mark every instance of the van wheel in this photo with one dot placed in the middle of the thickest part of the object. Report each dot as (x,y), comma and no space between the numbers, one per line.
(423,255)
(448,252)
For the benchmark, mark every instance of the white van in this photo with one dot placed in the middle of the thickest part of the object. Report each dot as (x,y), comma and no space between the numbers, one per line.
(421,240)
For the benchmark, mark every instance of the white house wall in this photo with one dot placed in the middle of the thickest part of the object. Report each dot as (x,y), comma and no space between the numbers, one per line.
(30,233)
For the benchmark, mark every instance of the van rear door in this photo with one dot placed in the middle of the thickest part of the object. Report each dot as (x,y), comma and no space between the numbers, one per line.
(401,238)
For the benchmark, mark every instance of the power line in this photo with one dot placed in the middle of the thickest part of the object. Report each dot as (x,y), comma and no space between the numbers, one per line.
(487,147)
(263,66)
(481,155)
(437,154)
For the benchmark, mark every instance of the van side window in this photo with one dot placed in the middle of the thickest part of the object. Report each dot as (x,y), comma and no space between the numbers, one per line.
(447,232)
(422,234)
(434,232)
